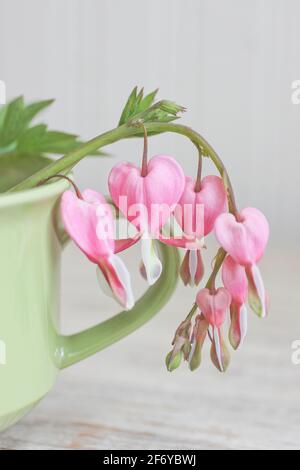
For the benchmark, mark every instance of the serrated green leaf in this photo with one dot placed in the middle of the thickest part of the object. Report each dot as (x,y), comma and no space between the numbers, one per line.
(58,142)
(16,135)
(148,101)
(30,141)
(13,122)
(139,99)
(139,109)
(38,139)
(31,110)
(129,107)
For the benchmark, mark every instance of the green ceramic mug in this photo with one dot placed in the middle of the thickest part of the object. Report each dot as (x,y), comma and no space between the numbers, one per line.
(31,349)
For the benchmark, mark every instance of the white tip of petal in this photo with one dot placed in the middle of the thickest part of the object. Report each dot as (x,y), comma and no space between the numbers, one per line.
(243,324)
(218,347)
(152,263)
(259,284)
(116,265)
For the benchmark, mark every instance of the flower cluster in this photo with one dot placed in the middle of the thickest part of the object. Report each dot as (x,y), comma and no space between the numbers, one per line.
(243,238)
(152,196)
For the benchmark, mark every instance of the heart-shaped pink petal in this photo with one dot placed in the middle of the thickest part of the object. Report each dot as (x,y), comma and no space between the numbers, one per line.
(147,201)
(245,240)
(214,305)
(196,212)
(89,223)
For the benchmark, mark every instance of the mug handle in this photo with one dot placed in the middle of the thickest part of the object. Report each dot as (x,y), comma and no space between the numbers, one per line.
(75,348)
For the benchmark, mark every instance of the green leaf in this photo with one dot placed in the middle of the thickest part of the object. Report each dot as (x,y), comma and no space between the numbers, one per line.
(129,108)
(139,98)
(31,110)
(38,139)
(58,143)
(139,109)
(16,135)
(15,118)
(148,100)
(31,139)
(13,123)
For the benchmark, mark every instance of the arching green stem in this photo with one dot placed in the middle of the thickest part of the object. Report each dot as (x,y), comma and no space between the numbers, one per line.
(199,172)
(67,162)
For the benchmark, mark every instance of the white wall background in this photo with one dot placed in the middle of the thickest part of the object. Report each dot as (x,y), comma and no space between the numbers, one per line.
(231,62)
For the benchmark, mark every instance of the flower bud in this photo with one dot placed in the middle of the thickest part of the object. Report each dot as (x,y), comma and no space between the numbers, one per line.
(198,338)
(181,346)
(173,362)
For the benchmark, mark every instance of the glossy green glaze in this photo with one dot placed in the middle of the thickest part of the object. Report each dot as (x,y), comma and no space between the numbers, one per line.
(31,349)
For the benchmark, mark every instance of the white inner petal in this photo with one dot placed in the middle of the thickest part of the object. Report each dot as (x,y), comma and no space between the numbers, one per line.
(259,284)
(151,261)
(218,347)
(124,278)
(243,323)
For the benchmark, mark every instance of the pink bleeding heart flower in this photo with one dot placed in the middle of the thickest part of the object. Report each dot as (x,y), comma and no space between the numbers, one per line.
(199,206)
(245,239)
(214,305)
(235,281)
(147,199)
(89,222)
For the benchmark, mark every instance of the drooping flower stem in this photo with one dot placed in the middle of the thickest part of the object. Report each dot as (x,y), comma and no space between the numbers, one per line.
(76,189)
(66,163)
(199,171)
(220,257)
(232,206)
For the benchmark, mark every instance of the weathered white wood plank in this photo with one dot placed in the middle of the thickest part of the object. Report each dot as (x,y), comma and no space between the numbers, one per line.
(124,399)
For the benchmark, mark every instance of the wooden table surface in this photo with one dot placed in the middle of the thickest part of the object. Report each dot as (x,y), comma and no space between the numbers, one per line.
(123,398)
